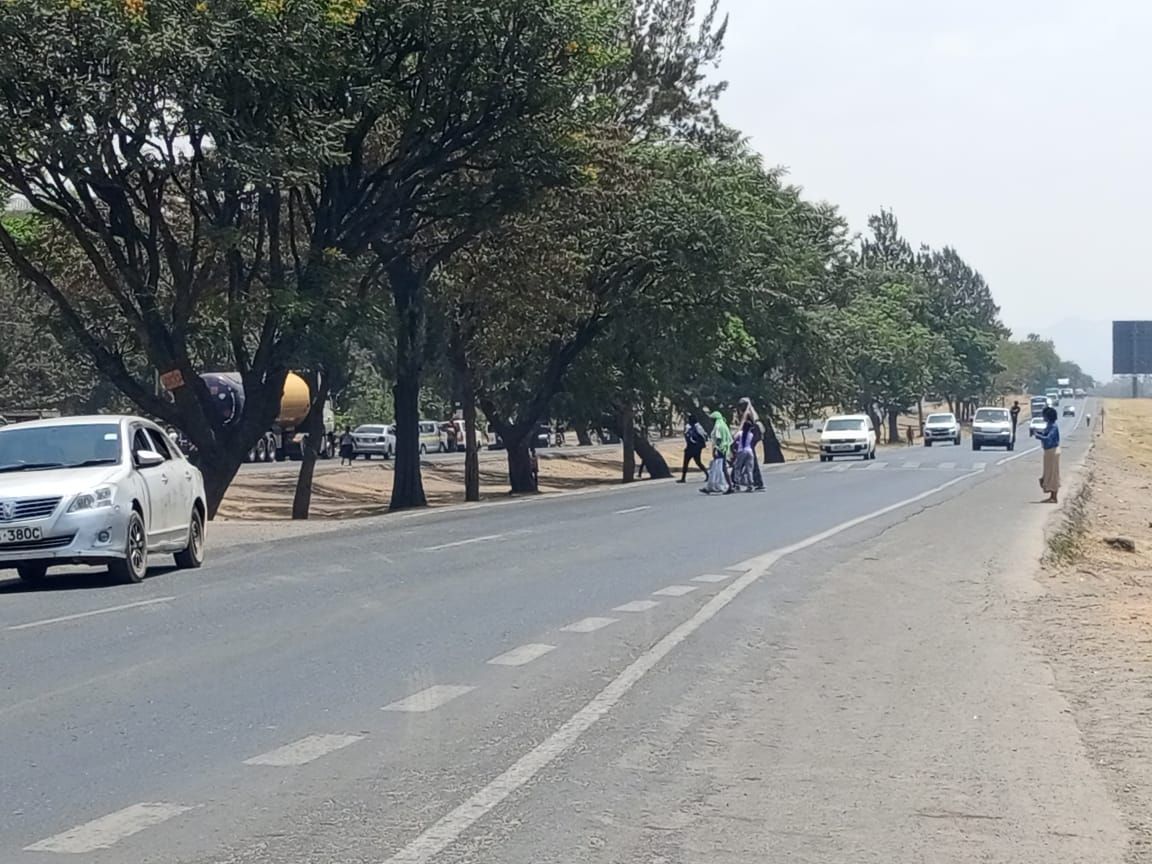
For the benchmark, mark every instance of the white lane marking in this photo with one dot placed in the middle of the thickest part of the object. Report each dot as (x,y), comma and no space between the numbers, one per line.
(450,827)
(485,539)
(843,466)
(45,622)
(633,510)
(979,466)
(638,606)
(523,654)
(911,465)
(588,625)
(674,591)
(876,466)
(712,578)
(1019,455)
(304,751)
(430,699)
(946,466)
(108,830)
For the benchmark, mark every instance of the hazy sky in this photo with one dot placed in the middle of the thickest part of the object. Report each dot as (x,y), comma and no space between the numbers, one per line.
(1018,131)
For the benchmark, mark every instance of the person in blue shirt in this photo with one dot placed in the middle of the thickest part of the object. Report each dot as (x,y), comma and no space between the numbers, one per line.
(1050,442)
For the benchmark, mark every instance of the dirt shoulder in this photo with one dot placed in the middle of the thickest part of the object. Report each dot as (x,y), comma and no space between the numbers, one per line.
(1094,617)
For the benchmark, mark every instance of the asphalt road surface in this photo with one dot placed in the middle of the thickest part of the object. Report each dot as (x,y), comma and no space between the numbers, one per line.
(829,671)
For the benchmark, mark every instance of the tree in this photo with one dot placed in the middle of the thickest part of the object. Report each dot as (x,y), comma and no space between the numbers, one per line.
(205,166)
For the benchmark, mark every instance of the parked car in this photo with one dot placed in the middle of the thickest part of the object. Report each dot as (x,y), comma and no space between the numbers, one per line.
(848,435)
(992,427)
(941,427)
(374,440)
(431,438)
(103,490)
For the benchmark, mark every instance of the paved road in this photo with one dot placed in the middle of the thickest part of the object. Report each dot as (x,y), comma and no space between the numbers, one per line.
(643,674)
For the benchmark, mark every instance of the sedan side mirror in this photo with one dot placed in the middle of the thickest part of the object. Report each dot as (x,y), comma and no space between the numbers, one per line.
(148,459)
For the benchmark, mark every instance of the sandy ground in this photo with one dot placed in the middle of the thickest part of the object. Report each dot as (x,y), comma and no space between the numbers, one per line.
(365,488)
(1094,619)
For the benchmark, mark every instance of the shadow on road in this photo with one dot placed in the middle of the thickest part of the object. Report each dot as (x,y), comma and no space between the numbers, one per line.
(75,580)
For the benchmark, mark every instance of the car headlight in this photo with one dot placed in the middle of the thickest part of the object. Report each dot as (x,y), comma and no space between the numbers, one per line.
(96,499)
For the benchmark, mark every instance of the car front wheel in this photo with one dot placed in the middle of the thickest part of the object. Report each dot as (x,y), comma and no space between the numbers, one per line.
(193,555)
(134,565)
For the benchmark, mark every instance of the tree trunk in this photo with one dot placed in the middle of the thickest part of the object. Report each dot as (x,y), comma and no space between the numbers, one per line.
(313,428)
(520,479)
(628,440)
(471,445)
(583,437)
(219,470)
(408,295)
(893,426)
(654,462)
(773,452)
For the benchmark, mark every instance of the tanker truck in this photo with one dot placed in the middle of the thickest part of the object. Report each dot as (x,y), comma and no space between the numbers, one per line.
(283,440)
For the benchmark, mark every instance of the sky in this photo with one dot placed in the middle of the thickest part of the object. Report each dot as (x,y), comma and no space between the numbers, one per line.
(1018,132)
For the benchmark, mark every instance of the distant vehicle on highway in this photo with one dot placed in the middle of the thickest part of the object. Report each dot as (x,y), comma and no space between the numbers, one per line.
(992,427)
(107,490)
(848,435)
(1037,424)
(1037,404)
(1067,393)
(374,440)
(1080,393)
(1053,393)
(1069,410)
(942,427)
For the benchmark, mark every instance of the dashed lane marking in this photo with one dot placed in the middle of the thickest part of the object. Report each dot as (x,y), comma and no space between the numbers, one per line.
(46,621)
(485,539)
(107,831)
(946,466)
(430,699)
(911,465)
(522,655)
(674,591)
(588,625)
(633,510)
(304,751)
(638,606)
(712,578)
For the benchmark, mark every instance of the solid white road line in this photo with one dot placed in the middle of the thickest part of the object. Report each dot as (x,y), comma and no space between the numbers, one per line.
(304,751)
(523,654)
(108,830)
(1019,455)
(485,539)
(633,510)
(712,578)
(450,827)
(45,622)
(588,625)
(638,606)
(430,699)
(674,591)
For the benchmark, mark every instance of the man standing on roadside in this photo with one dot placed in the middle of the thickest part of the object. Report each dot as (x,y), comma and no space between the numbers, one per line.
(1015,412)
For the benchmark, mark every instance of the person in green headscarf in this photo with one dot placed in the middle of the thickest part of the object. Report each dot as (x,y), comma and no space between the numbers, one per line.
(721,447)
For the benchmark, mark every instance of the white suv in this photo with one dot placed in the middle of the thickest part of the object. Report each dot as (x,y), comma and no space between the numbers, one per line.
(941,427)
(848,435)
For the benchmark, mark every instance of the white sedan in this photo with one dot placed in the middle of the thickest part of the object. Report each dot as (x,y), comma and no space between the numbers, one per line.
(96,490)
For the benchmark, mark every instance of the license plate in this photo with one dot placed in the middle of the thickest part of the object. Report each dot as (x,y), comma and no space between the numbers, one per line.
(841,446)
(20,535)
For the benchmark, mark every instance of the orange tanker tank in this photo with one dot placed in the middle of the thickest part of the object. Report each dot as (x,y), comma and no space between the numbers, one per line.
(294,403)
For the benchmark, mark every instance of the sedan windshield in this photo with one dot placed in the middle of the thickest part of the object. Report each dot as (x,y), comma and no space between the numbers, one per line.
(66,446)
(844,426)
(992,416)
(942,419)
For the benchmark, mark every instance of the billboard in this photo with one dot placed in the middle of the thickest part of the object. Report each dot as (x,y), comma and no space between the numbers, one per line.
(1132,347)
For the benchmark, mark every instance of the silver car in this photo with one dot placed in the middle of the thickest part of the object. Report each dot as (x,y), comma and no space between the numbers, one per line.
(96,490)
(374,440)
(941,427)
